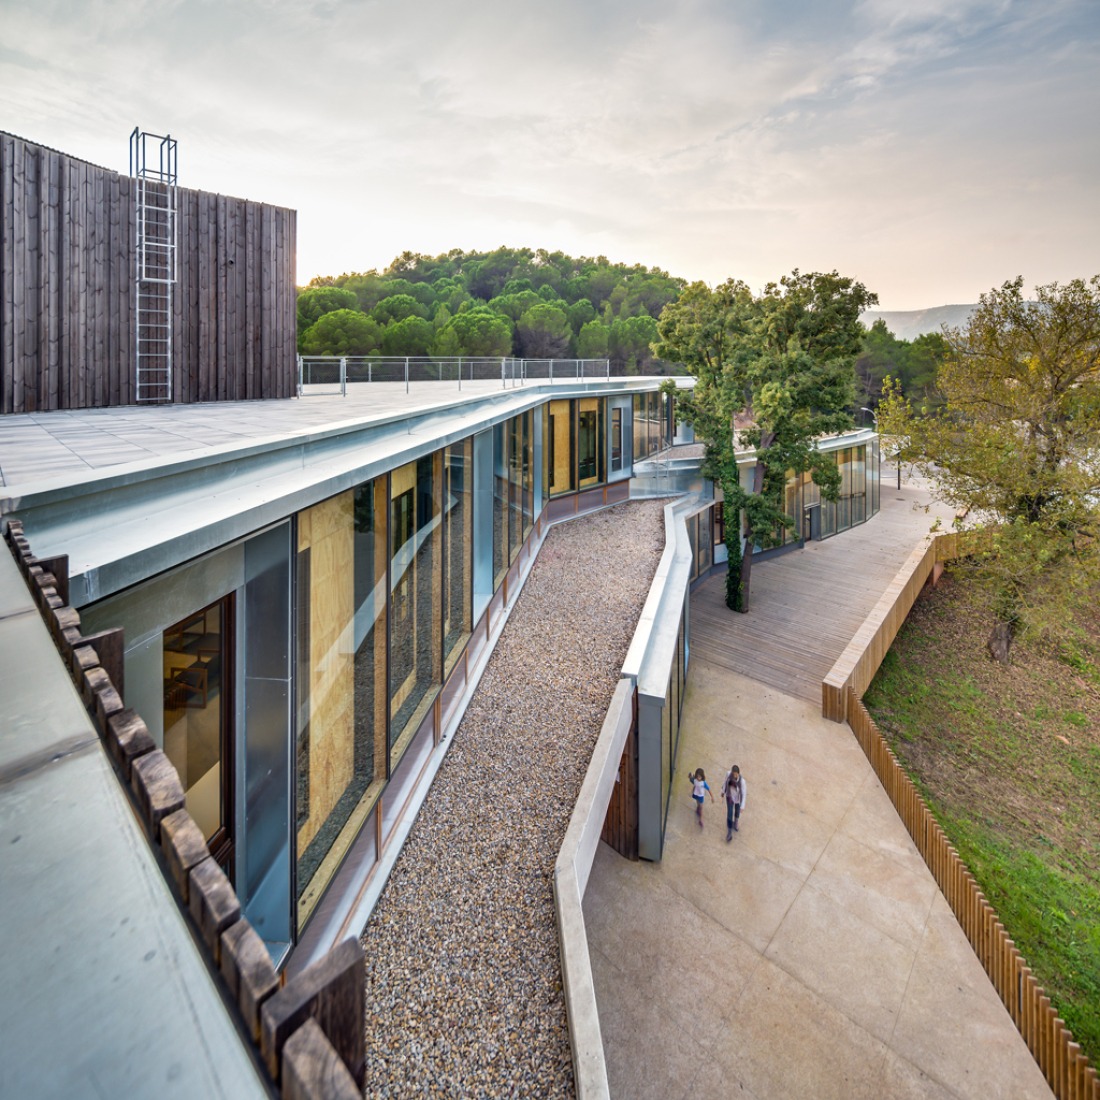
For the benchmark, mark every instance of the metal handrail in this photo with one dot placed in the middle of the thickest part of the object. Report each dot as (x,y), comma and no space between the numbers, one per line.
(336,371)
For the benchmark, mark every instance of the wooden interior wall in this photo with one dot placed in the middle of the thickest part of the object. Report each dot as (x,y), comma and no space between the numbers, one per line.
(67,297)
(327,530)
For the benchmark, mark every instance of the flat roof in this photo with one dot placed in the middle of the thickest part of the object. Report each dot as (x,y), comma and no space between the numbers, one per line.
(130,492)
(67,445)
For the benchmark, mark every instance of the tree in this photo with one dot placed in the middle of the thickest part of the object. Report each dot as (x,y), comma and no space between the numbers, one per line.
(342,332)
(543,332)
(478,331)
(514,306)
(592,340)
(580,313)
(315,302)
(630,341)
(410,336)
(1016,448)
(397,307)
(912,365)
(773,373)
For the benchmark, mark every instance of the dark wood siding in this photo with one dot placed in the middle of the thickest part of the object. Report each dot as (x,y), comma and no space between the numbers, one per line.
(67,295)
(620,827)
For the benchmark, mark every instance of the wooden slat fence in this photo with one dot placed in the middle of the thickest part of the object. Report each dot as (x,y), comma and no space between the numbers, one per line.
(857,665)
(1066,1069)
(67,289)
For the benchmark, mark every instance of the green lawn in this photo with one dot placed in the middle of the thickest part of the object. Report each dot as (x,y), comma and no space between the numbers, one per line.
(1008,760)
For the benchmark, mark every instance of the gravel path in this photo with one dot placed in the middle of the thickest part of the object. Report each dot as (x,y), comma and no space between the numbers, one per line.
(464,993)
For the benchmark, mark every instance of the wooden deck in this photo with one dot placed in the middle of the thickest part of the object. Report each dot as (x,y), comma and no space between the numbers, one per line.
(807,604)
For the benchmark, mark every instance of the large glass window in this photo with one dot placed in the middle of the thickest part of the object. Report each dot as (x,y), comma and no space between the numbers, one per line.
(457,549)
(792,506)
(527,470)
(416,563)
(517,454)
(501,494)
(874,474)
(859,484)
(197,719)
(616,440)
(641,438)
(341,678)
(590,442)
(558,447)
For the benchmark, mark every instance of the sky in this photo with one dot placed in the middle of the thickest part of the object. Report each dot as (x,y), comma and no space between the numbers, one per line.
(931,149)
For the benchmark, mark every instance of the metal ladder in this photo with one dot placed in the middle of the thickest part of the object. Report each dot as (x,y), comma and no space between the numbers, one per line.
(155,262)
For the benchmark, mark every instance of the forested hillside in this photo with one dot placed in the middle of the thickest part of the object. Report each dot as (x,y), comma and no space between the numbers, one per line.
(528,303)
(911,363)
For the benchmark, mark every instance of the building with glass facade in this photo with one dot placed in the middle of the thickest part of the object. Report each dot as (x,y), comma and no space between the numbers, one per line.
(301,673)
(302,645)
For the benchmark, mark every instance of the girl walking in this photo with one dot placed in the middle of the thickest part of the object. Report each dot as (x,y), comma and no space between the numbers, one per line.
(733,791)
(699,784)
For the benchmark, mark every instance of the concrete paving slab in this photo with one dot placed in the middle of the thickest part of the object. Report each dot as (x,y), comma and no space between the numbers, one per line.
(840,970)
(784,1041)
(854,967)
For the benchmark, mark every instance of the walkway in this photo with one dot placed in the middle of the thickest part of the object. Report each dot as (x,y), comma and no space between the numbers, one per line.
(814,955)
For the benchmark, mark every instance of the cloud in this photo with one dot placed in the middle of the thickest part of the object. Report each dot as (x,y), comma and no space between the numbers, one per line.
(918,147)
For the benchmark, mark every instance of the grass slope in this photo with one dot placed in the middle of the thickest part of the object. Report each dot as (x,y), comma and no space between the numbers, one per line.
(1008,760)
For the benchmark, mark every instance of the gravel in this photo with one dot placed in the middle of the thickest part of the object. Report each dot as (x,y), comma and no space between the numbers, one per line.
(464,986)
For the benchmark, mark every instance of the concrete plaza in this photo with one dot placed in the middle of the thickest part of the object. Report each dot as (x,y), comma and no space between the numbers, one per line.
(813,955)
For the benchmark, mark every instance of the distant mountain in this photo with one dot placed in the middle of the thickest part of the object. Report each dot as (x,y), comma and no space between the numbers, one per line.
(910,323)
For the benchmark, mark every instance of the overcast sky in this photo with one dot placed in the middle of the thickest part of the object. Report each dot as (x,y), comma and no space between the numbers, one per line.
(930,148)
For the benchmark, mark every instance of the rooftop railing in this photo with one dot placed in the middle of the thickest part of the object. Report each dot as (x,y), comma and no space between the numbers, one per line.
(330,374)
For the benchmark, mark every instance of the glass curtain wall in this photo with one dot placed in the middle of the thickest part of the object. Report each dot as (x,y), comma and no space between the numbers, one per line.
(416,590)
(341,663)
(859,493)
(458,517)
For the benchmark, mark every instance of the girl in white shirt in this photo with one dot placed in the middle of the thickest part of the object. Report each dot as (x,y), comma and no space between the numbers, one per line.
(699,786)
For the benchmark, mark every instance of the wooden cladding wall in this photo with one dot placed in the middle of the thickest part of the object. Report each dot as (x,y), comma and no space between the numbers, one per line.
(620,827)
(67,289)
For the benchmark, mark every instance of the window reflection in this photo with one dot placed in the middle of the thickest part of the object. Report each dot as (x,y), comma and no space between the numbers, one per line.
(457,549)
(341,685)
(197,710)
(416,568)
